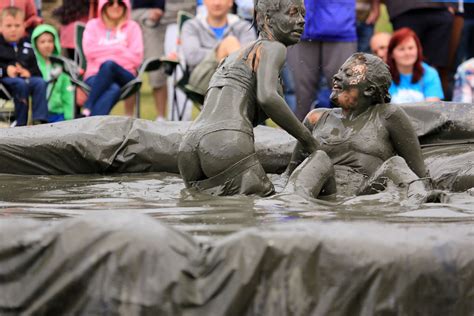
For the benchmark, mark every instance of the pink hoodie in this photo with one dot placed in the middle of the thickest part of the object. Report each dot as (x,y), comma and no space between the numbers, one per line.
(124,45)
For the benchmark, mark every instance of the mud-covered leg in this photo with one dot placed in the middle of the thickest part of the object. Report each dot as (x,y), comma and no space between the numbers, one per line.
(313,177)
(396,170)
(188,164)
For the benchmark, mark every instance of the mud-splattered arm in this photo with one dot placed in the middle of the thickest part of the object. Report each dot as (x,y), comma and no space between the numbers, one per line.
(272,57)
(299,153)
(405,141)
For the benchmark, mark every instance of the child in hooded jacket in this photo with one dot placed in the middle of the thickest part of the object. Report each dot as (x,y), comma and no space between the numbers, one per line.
(113,47)
(45,42)
(19,71)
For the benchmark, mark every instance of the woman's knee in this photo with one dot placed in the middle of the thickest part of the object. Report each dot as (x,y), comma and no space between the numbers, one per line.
(108,65)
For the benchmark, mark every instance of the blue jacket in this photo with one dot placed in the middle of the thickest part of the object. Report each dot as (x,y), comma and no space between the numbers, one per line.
(330,21)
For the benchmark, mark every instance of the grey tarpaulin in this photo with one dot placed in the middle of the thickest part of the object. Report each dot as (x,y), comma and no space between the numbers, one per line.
(119,144)
(130,264)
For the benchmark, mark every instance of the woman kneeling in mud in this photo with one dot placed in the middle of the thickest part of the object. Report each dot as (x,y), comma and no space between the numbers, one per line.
(366,139)
(217,154)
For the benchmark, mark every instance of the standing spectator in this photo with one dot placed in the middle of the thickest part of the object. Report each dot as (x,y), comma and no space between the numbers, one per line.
(148,14)
(245,9)
(329,38)
(19,71)
(45,42)
(209,38)
(368,12)
(466,44)
(432,22)
(412,79)
(69,14)
(379,44)
(113,47)
(29,10)
(464,82)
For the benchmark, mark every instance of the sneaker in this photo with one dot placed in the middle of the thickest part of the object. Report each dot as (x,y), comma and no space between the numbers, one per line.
(160,119)
(86,112)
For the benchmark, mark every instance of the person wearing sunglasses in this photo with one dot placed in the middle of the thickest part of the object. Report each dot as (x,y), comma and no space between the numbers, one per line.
(113,46)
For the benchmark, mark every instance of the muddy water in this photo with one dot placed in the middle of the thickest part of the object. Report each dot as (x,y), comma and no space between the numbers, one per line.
(161,196)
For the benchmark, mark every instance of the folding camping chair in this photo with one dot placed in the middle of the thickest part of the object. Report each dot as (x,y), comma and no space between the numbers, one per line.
(177,111)
(7,107)
(131,88)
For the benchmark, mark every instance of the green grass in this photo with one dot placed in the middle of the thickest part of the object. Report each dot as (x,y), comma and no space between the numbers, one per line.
(147,104)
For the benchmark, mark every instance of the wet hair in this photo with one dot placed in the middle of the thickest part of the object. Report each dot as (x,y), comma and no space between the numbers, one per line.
(11,11)
(262,9)
(377,74)
(72,10)
(398,37)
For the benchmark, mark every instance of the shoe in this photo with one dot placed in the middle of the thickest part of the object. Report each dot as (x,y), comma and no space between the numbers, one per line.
(160,119)
(39,122)
(86,112)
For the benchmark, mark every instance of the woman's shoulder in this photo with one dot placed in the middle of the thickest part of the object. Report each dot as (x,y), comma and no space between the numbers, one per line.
(94,24)
(271,44)
(429,70)
(386,110)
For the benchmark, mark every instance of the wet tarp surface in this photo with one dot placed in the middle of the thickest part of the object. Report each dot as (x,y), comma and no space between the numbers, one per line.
(130,264)
(120,144)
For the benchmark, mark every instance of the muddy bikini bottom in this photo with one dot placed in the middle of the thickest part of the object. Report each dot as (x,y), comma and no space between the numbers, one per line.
(244,177)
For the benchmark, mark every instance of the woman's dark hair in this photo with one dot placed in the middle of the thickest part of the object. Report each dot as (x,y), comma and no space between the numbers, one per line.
(398,37)
(262,9)
(71,10)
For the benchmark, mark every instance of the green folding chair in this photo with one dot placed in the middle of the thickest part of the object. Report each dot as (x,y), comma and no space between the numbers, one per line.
(177,112)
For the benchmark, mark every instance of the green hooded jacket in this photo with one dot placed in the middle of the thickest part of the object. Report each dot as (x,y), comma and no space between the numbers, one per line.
(61,95)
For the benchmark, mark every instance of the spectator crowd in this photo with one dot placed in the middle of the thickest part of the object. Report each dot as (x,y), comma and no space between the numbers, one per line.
(430,52)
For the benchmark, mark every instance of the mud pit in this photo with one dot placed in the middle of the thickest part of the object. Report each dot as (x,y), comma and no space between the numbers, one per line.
(223,255)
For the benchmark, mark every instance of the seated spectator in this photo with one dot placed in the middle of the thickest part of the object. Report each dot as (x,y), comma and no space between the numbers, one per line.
(113,47)
(29,10)
(69,14)
(464,82)
(45,42)
(379,44)
(19,70)
(207,39)
(148,15)
(412,79)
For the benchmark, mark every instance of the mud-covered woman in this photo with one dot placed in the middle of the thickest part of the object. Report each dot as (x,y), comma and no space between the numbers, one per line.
(368,140)
(217,154)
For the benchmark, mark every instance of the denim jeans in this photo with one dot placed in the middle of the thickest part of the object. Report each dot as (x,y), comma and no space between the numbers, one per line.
(288,86)
(105,87)
(21,89)
(364,33)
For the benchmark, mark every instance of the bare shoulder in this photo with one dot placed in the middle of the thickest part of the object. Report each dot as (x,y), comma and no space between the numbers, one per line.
(274,48)
(313,116)
(387,110)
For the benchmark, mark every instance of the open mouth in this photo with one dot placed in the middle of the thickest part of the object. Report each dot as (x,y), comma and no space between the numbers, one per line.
(336,86)
(297,32)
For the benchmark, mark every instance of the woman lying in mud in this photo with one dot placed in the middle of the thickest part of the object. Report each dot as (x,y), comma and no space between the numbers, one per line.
(368,140)
(217,154)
